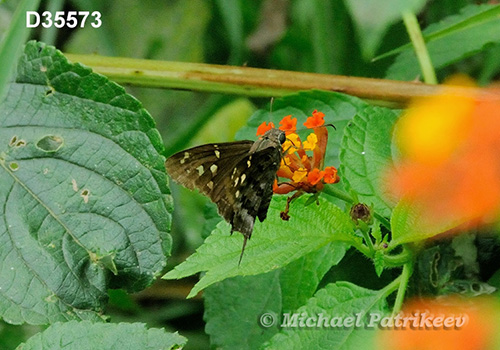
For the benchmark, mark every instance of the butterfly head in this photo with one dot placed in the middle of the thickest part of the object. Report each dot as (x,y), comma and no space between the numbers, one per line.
(272,138)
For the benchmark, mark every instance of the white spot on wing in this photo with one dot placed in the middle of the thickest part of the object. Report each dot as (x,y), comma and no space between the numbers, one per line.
(200,170)
(186,156)
(243,177)
(236,181)
(249,163)
(217,153)
(210,185)
(237,194)
(213,169)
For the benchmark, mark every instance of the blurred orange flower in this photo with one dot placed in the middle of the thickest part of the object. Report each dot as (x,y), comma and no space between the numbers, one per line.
(450,155)
(447,323)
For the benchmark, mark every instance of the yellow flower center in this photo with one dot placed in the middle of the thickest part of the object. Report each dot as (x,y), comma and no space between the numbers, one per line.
(311,142)
(299,175)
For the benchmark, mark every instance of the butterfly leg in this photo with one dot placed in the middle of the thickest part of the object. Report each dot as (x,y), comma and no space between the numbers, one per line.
(284,214)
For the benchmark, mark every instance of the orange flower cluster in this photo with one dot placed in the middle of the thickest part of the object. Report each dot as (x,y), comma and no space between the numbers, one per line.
(305,170)
(450,156)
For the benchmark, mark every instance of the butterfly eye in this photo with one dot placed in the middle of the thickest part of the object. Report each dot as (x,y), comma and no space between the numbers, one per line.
(282,138)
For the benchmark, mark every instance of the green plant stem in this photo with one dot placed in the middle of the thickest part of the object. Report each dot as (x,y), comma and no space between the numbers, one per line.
(253,82)
(403,285)
(337,193)
(391,287)
(382,220)
(424,60)
(366,235)
(397,260)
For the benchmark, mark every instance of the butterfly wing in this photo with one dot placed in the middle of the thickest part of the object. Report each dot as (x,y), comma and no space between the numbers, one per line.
(237,176)
(203,166)
(252,181)
(237,181)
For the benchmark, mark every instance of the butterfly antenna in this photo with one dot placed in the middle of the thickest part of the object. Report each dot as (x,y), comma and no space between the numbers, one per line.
(333,126)
(245,238)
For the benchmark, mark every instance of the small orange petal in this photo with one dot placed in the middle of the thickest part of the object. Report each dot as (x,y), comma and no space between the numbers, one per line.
(288,124)
(264,127)
(315,176)
(316,120)
(331,176)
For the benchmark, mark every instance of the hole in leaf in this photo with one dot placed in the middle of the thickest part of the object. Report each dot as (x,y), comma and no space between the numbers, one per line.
(13,141)
(50,143)
(50,91)
(85,195)
(21,143)
(14,166)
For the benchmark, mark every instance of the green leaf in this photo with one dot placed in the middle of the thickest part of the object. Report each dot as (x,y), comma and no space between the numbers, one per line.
(373,18)
(83,188)
(376,232)
(366,154)
(378,261)
(300,279)
(408,224)
(453,39)
(339,109)
(234,306)
(275,243)
(86,335)
(342,300)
